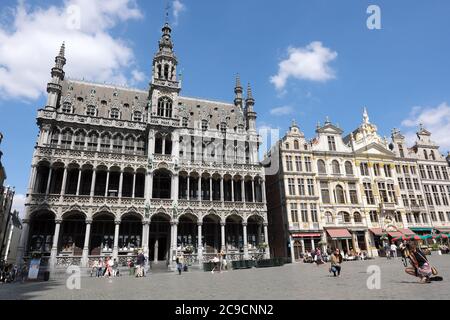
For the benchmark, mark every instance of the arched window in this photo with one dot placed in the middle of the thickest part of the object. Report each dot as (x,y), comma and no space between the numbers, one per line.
(287,146)
(55,138)
(105,144)
(92,141)
(425,154)
(66,107)
(79,140)
(164,107)
(129,145)
(162,182)
(345,217)
(140,146)
(204,125)
(223,127)
(321,167)
(91,111)
(357,217)
(296,145)
(336,167)
(328,217)
(115,113)
(340,196)
(137,116)
(348,168)
(117,143)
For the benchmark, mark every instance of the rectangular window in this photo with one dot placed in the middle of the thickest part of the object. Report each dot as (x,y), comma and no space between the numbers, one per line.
(423,175)
(373,216)
(331,143)
(301,186)
(291,185)
(401,183)
(376,169)
(430,172)
(420,200)
(441,216)
(288,163)
(444,173)
(409,218)
(364,167)
(408,183)
(425,218)
(298,163)
(308,167)
(433,216)
(294,213)
(416,217)
(387,170)
(325,191)
(391,193)
(444,195)
(304,212)
(405,169)
(398,169)
(313,208)
(413,170)
(383,192)
(437,200)
(311,187)
(448,215)
(416,184)
(353,193)
(437,171)
(405,200)
(428,195)
(369,193)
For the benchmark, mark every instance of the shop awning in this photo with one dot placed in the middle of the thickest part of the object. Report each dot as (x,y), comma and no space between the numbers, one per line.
(377,231)
(422,229)
(339,234)
(443,230)
(306,235)
(407,232)
(395,234)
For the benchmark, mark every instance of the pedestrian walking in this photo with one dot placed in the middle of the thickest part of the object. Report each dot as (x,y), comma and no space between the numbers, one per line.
(180,263)
(420,266)
(216,262)
(140,265)
(115,268)
(387,249)
(94,270)
(336,261)
(393,250)
(100,268)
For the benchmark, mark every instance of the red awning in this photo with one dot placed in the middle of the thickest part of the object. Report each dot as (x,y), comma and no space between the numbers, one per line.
(306,235)
(443,230)
(407,232)
(377,231)
(395,234)
(339,234)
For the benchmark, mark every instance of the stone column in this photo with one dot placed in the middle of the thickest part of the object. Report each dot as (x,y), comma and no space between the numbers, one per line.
(188,182)
(120,183)
(116,240)
(302,243)
(87,235)
(347,244)
(291,242)
(134,185)
(163,144)
(175,186)
(94,177)
(244,228)
(222,235)
(199,242)
(243,190)
(222,190)
(22,248)
(266,238)
(149,185)
(368,246)
(210,189)
(145,235)
(200,188)
(355,241)
(54,251)
(64,182)
(107,183)
(232,189)
(32,180)
(155,251)
(47,189)
(253,191)
(79,182)
(313,246)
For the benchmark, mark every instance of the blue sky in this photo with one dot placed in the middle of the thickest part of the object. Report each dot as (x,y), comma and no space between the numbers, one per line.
(400,73)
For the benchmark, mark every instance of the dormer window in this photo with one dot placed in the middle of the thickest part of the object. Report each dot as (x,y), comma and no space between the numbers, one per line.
(137,116)
(331,143)
(425,154)
(296,145)
(223,127)
(115,113)
(164,107)
(66,107)
(91,111)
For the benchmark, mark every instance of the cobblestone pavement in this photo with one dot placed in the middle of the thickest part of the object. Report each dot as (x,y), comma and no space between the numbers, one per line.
(291,282)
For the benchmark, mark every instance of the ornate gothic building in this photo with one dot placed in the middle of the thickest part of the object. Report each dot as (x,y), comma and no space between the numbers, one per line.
(118,169)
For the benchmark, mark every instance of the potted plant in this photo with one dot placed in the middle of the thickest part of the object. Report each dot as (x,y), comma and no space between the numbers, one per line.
(262,246)
(188,249)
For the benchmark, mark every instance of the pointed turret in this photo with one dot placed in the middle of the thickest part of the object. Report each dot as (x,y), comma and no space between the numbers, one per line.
(249,110)
(238,90)
(366,119)
(54,87)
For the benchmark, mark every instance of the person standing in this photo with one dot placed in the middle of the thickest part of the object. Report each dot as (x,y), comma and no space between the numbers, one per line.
(387,249)
(393,250)
(336,261)
(319,257)
(180,263)
(100,268)
(140,264)
(115,268)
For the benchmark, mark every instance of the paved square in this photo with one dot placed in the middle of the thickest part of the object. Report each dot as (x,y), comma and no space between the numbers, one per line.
(291,282)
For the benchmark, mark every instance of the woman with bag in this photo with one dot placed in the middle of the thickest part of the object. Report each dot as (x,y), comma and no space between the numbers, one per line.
(421,267)
(336,260)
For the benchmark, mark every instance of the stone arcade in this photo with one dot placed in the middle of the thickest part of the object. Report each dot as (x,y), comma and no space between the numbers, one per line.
(117,169)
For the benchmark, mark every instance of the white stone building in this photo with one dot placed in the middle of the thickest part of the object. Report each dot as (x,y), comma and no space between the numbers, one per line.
(116,169)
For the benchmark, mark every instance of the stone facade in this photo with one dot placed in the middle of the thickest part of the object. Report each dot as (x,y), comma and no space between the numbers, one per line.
(118,169)
(348,192)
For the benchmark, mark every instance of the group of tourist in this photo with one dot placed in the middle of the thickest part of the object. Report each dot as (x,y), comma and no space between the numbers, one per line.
(110,267)
(10,273)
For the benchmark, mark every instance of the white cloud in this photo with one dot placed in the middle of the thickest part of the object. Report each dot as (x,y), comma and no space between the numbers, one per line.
(178,8)
(138,76)
(434,119)
(282,111)
(19,204)
(306,63)
(31,40)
